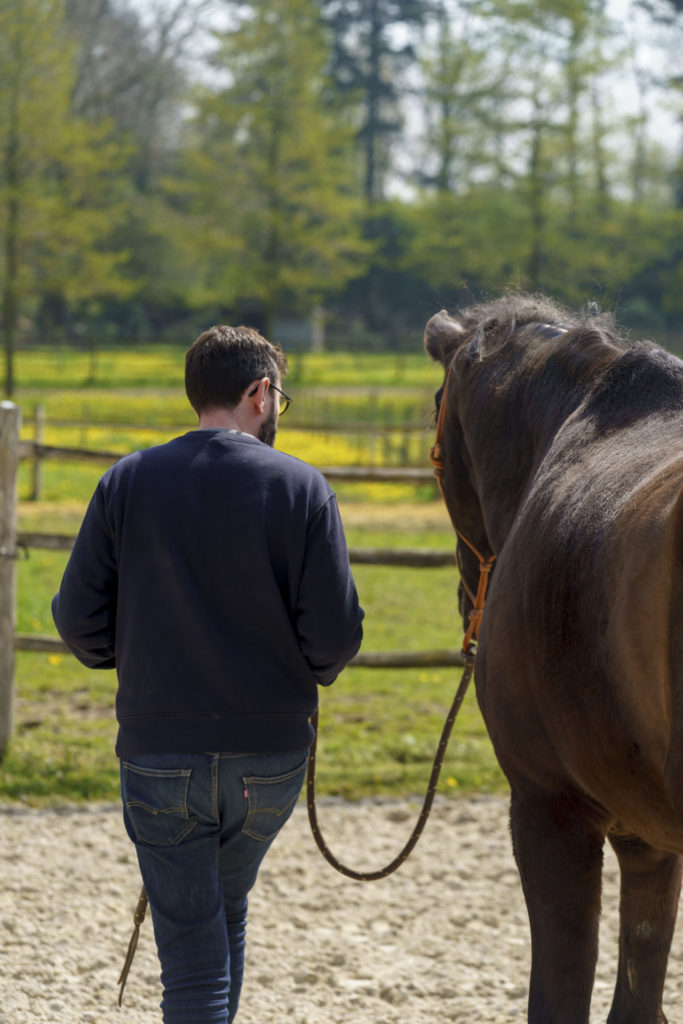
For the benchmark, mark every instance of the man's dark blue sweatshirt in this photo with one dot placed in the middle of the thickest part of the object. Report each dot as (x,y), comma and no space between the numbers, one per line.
(212,572)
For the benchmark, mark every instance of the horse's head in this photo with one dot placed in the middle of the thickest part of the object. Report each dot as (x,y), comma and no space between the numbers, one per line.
(514,369)
(445,337)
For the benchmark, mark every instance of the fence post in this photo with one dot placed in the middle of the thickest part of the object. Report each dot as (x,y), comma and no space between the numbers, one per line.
(10,418)
(39,437)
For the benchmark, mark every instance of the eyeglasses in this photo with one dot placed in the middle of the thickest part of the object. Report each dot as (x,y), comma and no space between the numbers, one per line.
(285,401)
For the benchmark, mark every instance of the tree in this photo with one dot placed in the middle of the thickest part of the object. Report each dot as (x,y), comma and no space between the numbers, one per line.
(463,91)
(666,17)
(134,65)
(133,70)
(267,178)
(506,88)
(370,57)
(58,177)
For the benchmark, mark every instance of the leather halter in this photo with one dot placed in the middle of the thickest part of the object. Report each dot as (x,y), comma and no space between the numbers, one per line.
(485,564)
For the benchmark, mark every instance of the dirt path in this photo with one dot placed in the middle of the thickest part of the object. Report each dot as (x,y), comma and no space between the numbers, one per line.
(445,939)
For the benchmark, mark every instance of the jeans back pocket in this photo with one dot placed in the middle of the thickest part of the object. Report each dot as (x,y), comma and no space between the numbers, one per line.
(271,801)
(156,803)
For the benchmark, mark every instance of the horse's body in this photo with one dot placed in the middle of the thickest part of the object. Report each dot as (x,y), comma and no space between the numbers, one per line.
(563,456)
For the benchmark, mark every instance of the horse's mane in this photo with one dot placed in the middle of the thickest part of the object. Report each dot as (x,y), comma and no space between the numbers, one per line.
(500,318)
(646,379)
(630,380)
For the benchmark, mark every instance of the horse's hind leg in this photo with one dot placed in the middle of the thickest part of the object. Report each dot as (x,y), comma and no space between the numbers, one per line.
(558,841)
(650,885)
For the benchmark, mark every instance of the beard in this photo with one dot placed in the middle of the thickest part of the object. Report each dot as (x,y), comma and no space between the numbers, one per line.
(268,428)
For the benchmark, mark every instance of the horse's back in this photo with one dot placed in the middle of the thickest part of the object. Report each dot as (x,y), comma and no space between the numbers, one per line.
(586,619)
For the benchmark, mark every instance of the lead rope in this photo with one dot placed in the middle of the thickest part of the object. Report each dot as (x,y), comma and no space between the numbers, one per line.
(469,655)
(372,876)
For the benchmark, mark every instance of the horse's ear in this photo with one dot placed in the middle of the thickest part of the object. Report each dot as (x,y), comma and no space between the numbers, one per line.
(443,334)
(489,338)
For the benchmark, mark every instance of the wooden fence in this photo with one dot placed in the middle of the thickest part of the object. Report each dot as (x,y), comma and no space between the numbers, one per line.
(13,542)
(382,438)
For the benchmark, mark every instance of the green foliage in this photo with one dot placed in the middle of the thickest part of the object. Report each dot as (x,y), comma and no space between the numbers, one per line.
(267,175)
(67,170)
(480,239)
(59,184)
(367,61)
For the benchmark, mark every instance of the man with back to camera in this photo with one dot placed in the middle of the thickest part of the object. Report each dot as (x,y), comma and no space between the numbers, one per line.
(212,572)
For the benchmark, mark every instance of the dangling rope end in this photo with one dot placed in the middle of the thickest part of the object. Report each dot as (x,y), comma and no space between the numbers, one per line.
(132,946)
(138,918)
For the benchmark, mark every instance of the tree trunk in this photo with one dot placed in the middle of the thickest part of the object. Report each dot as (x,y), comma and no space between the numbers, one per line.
(372,189)
(536,205)
(574,85)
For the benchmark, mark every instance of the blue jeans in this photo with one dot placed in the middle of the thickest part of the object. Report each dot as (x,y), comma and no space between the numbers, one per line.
(201,825)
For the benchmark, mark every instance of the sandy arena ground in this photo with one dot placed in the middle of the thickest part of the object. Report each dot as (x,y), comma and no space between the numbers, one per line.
(444,939)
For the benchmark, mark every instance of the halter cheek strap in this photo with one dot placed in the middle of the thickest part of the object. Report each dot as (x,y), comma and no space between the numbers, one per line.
(485,564)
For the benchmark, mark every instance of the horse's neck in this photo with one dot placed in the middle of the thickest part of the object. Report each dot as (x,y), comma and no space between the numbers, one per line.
(508,453)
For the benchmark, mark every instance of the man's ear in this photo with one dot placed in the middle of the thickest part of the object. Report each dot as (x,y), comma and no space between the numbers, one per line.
(258,395)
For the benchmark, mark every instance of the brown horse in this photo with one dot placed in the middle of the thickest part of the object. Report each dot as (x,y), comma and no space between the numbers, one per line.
(563,457)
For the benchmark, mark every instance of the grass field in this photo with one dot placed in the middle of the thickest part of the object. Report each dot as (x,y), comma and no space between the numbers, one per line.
(161,366)
(379,728)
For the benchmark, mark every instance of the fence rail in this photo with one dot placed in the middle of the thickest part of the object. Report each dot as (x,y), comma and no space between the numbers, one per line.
(358,474)
(416,558)
(326,427)
(371,659)
(34,450)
